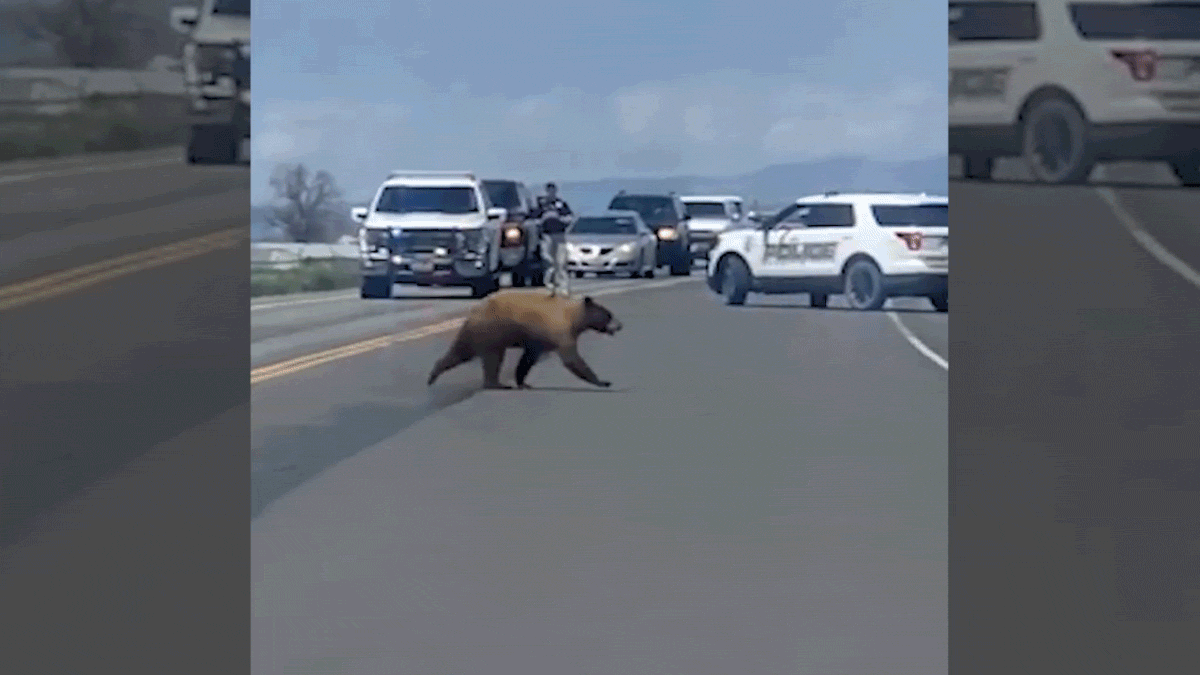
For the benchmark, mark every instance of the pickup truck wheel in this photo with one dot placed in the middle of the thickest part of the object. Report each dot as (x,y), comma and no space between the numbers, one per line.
(376,287)
(735,281)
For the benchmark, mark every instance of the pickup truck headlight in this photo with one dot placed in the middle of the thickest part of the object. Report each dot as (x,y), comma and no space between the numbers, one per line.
(512,236)
(668,233)
(473,241)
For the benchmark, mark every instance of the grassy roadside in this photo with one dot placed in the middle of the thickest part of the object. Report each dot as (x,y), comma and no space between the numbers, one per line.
(103,124)
(308,275)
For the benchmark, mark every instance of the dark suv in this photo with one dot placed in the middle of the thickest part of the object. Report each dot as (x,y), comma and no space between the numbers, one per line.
(667,217)
(521,239)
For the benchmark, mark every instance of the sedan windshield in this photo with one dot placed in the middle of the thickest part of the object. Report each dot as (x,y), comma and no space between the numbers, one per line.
(706,210)
(604,226)
(404,199)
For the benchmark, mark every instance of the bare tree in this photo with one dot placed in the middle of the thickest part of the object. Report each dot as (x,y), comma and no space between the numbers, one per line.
(308,212)
(99,33)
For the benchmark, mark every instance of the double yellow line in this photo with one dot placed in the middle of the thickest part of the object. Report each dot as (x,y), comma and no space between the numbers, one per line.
(72,280)
(282,368)
(264,373)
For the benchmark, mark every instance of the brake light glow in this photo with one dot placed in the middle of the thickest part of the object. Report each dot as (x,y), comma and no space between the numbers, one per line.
(911,239)
(1142,63)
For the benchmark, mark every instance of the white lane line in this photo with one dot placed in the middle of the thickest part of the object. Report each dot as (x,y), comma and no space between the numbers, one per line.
(1143,238)
(88,168)
(917,344)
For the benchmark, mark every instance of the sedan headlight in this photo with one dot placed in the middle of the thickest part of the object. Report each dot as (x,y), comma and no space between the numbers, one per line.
(668,234)
(626,249)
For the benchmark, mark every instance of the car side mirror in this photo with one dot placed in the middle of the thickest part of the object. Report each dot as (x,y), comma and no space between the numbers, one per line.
(495,213)
(359,213)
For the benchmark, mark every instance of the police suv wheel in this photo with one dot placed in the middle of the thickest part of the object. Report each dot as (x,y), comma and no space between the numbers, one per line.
(376,287)
(1055,143)
(864,286)
(735,281)
(978,168)
(818,300)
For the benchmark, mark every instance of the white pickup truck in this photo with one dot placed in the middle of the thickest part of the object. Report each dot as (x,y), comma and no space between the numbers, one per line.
(216,68)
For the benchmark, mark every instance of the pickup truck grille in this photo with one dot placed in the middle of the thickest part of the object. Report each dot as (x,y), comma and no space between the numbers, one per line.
(426,241)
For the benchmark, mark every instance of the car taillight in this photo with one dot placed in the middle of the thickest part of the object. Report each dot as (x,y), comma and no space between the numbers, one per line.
(1142,63)
(911,239)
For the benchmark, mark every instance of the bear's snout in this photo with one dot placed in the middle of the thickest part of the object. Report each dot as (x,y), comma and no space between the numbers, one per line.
(613,327)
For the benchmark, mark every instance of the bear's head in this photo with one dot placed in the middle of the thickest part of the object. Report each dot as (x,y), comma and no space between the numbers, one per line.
(597,317)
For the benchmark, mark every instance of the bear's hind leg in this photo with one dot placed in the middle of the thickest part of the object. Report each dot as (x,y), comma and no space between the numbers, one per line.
(459,354)
(492,360)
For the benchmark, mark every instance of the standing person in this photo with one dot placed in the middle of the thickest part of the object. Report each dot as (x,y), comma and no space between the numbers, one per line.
(556,217)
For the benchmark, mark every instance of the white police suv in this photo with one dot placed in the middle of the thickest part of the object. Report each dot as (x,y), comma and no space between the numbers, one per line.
(1067,84)
(430,228)
(867,246)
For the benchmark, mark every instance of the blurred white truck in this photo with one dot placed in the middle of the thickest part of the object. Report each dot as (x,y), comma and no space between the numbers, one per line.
(216,71)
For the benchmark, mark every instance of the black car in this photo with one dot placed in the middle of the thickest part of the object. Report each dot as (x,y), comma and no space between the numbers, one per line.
(521,239)
(667,216)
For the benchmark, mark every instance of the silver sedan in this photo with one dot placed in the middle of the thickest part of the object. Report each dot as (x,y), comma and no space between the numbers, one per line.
(611,243)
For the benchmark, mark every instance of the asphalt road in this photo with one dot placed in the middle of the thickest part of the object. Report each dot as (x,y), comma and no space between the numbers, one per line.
(93,376)
(1075,420)
(762,490)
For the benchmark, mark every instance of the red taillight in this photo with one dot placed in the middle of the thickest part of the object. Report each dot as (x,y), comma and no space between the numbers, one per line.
(1142,63)
(911,239)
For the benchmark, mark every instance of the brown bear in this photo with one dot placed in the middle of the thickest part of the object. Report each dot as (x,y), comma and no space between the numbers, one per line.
(531,321)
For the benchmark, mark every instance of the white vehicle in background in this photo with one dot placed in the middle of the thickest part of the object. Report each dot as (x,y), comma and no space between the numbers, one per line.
(866,246)
(711,215)
(1067,84)
(430,228)
(216,71)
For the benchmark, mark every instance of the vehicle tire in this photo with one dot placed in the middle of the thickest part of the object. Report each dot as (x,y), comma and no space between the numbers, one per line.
(648,274)
(941,302)
(537,279)
(978,167)
(518,279)
(376,287)
(485,287)
(735,281)
(864,285)
(1187,170)
(1055,142)
(818,300)
(201,146)
(682,266)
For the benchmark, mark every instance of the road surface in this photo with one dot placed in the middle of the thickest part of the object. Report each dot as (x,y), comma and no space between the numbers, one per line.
(1076,414)
(762,490)
(123,303)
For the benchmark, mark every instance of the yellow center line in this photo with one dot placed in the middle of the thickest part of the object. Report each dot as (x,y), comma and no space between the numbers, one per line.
(69,281)
(301,363)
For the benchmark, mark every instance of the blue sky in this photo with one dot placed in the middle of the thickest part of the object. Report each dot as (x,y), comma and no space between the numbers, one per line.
(540,90)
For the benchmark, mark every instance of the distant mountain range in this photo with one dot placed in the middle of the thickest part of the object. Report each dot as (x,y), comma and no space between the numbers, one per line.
(775,185)
(771,187)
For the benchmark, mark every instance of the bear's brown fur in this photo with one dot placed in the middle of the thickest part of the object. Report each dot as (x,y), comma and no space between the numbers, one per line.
(530,321)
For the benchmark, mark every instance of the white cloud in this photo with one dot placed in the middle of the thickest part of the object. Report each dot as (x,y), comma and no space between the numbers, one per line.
(724,122)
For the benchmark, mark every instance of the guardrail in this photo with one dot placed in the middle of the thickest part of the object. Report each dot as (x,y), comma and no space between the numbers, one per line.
(42,116)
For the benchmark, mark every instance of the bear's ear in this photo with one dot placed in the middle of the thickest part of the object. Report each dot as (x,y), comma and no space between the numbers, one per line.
(587,300)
